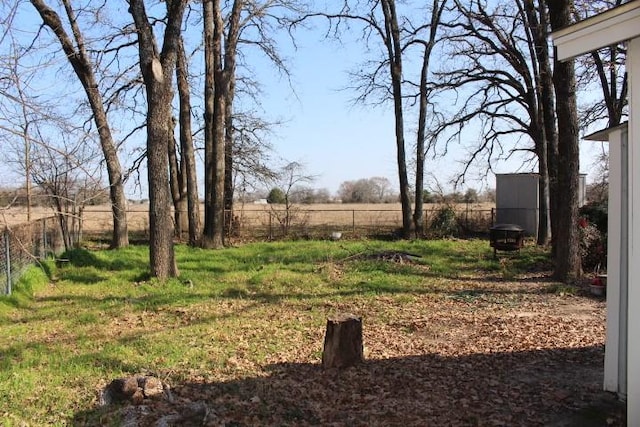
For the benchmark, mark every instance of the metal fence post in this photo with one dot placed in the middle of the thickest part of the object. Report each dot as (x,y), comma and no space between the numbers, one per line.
(44,238)
(353,220)
(7,253)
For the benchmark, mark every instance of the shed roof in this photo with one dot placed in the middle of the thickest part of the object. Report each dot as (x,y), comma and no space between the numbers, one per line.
(603,134)
(613,26)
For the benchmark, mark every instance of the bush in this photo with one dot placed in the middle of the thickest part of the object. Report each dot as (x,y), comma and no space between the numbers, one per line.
(445,223)
(276,196)
(596,214)
(593,247)
(593,236)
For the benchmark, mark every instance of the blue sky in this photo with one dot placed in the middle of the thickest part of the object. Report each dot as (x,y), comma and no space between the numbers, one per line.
(336,140)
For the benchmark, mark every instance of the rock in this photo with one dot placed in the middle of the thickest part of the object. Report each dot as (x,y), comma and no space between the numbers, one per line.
(134,389)
(119,390)
(151,386)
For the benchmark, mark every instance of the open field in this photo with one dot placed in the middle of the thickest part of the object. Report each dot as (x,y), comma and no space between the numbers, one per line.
(452,337)
(265,220)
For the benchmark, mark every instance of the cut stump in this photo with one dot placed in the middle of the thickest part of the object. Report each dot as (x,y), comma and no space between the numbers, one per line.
(342,341)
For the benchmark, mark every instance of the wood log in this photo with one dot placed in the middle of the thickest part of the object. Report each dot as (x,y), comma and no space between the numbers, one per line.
(342,341)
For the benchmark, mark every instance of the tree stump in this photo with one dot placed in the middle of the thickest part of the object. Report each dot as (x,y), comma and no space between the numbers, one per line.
(342,341)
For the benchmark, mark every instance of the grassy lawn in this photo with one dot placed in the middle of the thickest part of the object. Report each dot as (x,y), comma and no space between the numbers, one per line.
(235,314)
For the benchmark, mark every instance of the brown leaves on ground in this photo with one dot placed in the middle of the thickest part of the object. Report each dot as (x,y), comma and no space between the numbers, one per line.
(481,353)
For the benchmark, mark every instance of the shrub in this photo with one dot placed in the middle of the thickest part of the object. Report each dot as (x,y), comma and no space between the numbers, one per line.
(276,196)
(593,236)
(444,223)
(593,246)
(596,214)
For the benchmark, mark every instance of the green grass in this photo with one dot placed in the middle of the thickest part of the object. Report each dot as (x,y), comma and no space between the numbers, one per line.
(67,331)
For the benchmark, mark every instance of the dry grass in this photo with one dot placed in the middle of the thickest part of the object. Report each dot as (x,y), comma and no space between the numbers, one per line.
(333,216)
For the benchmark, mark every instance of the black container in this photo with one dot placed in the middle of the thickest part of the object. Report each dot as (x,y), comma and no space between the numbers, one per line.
(506,237)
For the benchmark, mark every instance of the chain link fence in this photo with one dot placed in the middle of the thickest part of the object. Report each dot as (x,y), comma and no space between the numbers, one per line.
(22,245)
(302,221)
(356,223)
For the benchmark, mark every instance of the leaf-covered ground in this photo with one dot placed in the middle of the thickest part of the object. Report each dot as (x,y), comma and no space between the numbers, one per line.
(486,352)
(452,336)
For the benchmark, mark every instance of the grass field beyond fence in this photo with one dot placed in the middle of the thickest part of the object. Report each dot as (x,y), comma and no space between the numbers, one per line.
(265,222)
(234,313)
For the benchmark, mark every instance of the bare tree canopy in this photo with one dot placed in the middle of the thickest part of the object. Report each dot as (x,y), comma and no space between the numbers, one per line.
(78,57)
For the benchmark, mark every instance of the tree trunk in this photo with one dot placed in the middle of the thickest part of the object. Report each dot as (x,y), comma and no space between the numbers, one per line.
(84,71)
(394,52)
(228,159)
(566,241)
(545,115)
(230,53)
(161,231)
(214,232)
(544,225)
(186,144)
(343,342)
(156,71)
(549,119)
(418,211)
(209,160)
(177,184)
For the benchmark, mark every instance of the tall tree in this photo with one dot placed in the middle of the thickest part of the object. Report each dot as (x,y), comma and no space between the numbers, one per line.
(157,68)
(536,15)
(215,109)
(391,37)
(76,52)
(209,141)
(248,24)
(566,240)
(500,77)
(186,145)
(437,9)
(381,23)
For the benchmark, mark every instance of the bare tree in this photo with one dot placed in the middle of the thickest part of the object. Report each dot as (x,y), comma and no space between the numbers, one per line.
(381,23)
(499,74)
(248,24)
(366,190)
(291,176)
(17,115)
(157,67)
(538,22)
(216,90)
(567,243)
(251,152)
(392,41)
(68,174)
(76,52)
(255,31)
(188,167)
(437,9)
